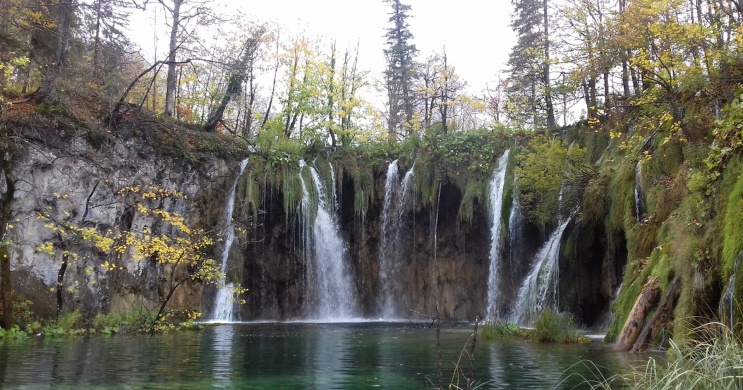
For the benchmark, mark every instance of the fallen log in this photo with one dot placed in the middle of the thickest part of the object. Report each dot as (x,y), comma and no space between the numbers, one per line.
(636,319)
(662,316)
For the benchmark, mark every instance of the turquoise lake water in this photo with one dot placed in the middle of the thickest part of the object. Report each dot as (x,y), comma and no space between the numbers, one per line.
(366,355)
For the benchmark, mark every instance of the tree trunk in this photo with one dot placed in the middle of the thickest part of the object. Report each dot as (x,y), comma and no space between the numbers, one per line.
(551,123)
(64,23)
(606,90)
(172,83)
(6,214)
(60,282)
(331,93)
(444,107)
(273,86)
(234,86)
(636,319)
(97,41)
(633,76)
(248,121)
(662,316)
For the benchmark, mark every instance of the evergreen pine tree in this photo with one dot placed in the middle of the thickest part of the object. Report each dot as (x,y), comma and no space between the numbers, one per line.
(529,95)
(399,74)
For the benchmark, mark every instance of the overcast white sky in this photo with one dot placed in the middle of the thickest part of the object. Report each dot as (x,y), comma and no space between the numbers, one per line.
(476,33)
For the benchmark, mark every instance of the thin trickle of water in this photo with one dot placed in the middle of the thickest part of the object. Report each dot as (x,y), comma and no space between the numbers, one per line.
(333,192)
(727,303)
(639,194)
(607,317)
(224,299)
(601,159)
(539,289)
(328,278)
(496,204)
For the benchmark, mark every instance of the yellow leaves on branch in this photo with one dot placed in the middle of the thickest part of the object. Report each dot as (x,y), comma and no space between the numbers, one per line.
(183,246)
(150,192)
(47,248)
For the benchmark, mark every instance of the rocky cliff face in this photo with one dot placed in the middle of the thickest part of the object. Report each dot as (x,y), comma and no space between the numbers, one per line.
(441,265)
(274,266)
(438,269)
(65,180)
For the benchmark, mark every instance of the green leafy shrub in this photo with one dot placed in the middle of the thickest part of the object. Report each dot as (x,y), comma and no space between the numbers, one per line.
(14,333)
(501,329)
(543,172)
(67,324)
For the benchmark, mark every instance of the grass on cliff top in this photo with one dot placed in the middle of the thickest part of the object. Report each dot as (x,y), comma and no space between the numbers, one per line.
(53,123)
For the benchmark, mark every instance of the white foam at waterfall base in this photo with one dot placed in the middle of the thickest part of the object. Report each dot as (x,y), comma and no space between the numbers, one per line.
(330,282)
(224,301)
(223,304)
(496,204)
(539,289)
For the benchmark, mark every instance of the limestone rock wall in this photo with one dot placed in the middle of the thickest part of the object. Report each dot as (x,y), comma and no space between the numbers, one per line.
(77,184)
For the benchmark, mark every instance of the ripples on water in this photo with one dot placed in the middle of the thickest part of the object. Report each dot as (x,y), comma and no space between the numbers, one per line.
(296,356)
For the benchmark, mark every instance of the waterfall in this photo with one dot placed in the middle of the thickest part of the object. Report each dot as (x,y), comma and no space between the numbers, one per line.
(539,289)
(496,204)
(515,229)
(517,253)
(224,299)
(329,280)
(393,208)
(640,206)
(389,231)
(727,302)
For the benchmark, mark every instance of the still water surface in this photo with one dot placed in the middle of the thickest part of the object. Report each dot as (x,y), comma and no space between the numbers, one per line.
(297,356)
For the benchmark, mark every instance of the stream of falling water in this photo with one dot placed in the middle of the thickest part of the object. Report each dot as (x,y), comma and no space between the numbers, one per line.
(540,288)
(224,301)
(388,242)
(393,208)
(640,206)
(330,284)
(496,205)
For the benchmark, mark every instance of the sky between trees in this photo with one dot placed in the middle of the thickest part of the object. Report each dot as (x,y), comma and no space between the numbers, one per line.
(475,33)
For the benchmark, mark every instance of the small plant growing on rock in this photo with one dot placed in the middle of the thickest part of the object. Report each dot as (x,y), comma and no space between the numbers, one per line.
(552,326)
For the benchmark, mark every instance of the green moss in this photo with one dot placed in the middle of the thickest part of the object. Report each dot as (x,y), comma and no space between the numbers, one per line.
(596,200)
(623,305)
(475,192)
(567,249)
(666,159)
(251,193)
(733,228)
(462,159)
(361,173)
(622,198)
(641,239)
